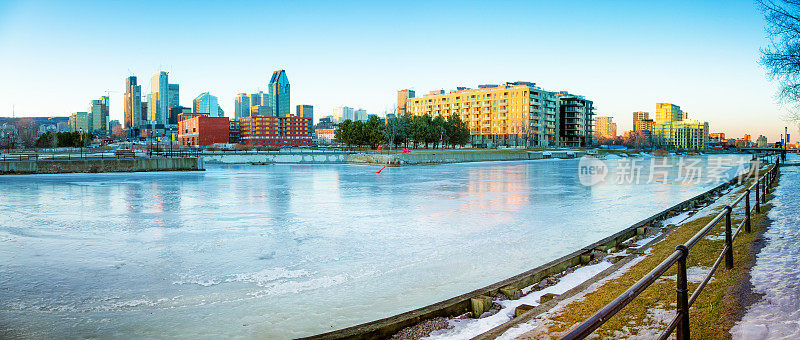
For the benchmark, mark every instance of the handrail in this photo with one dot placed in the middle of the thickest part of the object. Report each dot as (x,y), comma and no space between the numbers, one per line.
(681,320)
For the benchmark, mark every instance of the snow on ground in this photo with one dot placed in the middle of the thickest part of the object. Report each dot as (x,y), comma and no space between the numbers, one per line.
(677,219)
(776,273)
(694,274)
(537,322)
(468,328)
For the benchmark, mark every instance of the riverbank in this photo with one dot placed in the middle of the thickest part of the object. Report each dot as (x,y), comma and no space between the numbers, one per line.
(720,305)
(98,165)
(387,159)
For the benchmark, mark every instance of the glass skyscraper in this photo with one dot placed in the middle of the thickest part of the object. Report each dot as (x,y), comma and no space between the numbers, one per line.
(279,94)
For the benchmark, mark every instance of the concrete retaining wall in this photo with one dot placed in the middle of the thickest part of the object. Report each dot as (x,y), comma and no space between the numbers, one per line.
(385,328)
(277,158)
(100,165)
(382,159)
(456,157)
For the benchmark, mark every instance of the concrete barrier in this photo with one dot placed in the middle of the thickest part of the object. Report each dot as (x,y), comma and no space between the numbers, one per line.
(277,158)
(385,328)
(380,158)
(93,165)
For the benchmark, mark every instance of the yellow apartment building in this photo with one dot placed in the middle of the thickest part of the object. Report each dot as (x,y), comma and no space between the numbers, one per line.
(514,114)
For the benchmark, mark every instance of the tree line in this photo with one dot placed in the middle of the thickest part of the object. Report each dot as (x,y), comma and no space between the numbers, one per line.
(64,139)
(404,131)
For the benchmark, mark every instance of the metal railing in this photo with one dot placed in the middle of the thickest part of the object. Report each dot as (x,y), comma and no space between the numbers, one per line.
(89,154)
(684,301)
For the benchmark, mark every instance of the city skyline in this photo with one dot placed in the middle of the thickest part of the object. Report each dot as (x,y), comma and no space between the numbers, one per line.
(703,58)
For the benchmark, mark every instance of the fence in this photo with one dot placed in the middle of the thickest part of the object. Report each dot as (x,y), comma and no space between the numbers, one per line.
(70,154)
(684,301)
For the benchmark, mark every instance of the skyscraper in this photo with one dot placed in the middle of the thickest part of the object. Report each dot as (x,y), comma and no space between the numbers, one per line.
(241,107)
(206,103)
(174,96)
(133,103)
(163,96)
(306,111)
(159,98)
(279,94)
(98,115)
(360,115)
(258,98)
(342,113)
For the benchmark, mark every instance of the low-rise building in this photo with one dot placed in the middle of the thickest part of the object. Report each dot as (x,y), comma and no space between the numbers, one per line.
(275,131)
(324,136)
(235,131)
(200,129)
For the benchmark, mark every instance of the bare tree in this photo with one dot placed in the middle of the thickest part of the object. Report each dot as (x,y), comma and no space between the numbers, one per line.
(782,56)
(27,132)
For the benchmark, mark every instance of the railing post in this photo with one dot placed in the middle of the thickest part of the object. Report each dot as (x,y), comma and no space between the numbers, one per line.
(682,290)
(758,196)
(728,238)
(747,211)
(764,189)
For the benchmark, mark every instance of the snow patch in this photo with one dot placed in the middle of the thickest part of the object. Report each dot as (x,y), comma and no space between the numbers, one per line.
(468,328)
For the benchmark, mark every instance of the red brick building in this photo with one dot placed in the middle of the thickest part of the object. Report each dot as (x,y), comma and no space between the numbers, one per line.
(275,131)
(201,129)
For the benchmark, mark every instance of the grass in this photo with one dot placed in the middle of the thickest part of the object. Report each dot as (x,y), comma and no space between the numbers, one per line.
(712,314)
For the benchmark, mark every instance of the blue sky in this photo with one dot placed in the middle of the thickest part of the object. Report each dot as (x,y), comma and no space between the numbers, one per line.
(626,55)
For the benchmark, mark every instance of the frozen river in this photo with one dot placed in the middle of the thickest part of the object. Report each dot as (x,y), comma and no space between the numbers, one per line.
(284,251)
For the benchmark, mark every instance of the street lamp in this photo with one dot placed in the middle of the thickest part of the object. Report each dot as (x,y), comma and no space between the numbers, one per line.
(81,130)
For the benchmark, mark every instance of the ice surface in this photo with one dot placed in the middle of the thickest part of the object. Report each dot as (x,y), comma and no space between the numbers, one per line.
(777,270)
(285,251)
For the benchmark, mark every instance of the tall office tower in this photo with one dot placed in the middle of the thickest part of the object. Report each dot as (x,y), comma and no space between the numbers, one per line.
(174,96)
(133,103)
(360,115)
(98,115)
(279,94)
(638,116)
(259,98)
(666,112)
(306,111)
(342,113)
(402,98)
(241,106)
(206,103)
(159,98)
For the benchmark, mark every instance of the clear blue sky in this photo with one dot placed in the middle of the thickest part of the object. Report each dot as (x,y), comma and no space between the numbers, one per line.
(626,55)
